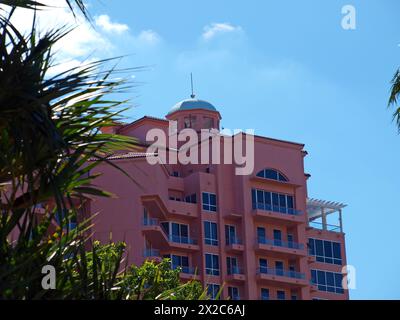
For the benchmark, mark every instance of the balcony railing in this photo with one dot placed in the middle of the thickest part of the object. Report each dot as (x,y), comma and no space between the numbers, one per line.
(280,243)
(151,253)
(233,240)
(171,237)
(180,239)
(185,269)
(150,222)
(321,226)
(281,273)
(278,209)
(235,270)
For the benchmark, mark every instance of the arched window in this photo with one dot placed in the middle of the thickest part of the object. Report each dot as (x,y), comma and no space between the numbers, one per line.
(272,174)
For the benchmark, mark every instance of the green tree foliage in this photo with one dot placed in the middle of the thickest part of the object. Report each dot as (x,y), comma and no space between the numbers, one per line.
(394,95)
(50,127)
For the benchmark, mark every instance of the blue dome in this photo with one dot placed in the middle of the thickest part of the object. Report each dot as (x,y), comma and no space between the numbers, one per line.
(190,104)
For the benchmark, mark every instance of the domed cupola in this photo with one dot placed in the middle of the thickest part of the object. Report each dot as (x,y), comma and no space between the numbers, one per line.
(195,113)
(192,104)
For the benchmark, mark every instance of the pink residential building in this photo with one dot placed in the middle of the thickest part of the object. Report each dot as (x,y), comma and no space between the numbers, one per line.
(259,235)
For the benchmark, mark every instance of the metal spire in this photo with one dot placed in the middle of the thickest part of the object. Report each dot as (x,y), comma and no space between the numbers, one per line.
(191,82)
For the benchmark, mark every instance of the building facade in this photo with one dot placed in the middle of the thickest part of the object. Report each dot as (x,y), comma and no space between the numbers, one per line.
(257,236)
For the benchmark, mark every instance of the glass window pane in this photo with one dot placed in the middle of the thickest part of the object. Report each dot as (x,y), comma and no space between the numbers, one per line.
(280,295)
(271,174)
(208,261)
(253,198)
(328,249)
(206,229)
(176,260)
(311,244)
(330,280)
(319,249)
(336,250)
(314,276)
(185,262)
(215,262)
(213,199)
(184,230)
(261,174)
(277,235)
(281,177)
(205,198)
(282,200)
(264,294)
(275,199)
(260,233)
(338,280)
(321,277)
(267,198)
(290,202)
(175,229)
(214,231)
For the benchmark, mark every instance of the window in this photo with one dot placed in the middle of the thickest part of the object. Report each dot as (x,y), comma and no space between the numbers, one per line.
(272,201)
(230,235)
(325,251)
(210,233)
(261,236)
(176,174)
(179,262)
(272,174)
(174,198)
(191,198)
(232,265)
(176,232)
(190,122)
(327,281)
(264,294)
(233,293)
(279,268)
(277,237)
(212,264)
(263,265)
(213,290)
(280,295)
(209,202)
(293,297)
(208,123)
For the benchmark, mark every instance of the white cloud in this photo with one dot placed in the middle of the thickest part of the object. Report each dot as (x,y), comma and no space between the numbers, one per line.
(83,40)
(104,22)
(149,36)
(214,29)
(85,43)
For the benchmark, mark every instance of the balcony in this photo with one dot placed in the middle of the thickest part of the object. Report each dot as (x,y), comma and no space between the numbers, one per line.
(152,254)
(181,240)
(234,244)
(279,248)
(182,209)
(155,233)
(154,204)
(285,278)
(187,273)
(236,274)
(278,214)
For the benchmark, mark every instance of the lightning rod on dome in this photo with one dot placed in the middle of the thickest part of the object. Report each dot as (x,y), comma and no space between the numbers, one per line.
(191,82)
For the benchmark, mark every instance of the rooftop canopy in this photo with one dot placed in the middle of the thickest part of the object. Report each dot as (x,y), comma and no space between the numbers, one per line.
(314,207)
(320,209)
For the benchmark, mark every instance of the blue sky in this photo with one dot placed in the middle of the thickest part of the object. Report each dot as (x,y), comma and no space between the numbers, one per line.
(288,70)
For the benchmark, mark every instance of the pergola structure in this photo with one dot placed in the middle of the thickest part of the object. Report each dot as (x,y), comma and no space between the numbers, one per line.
(321,209)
